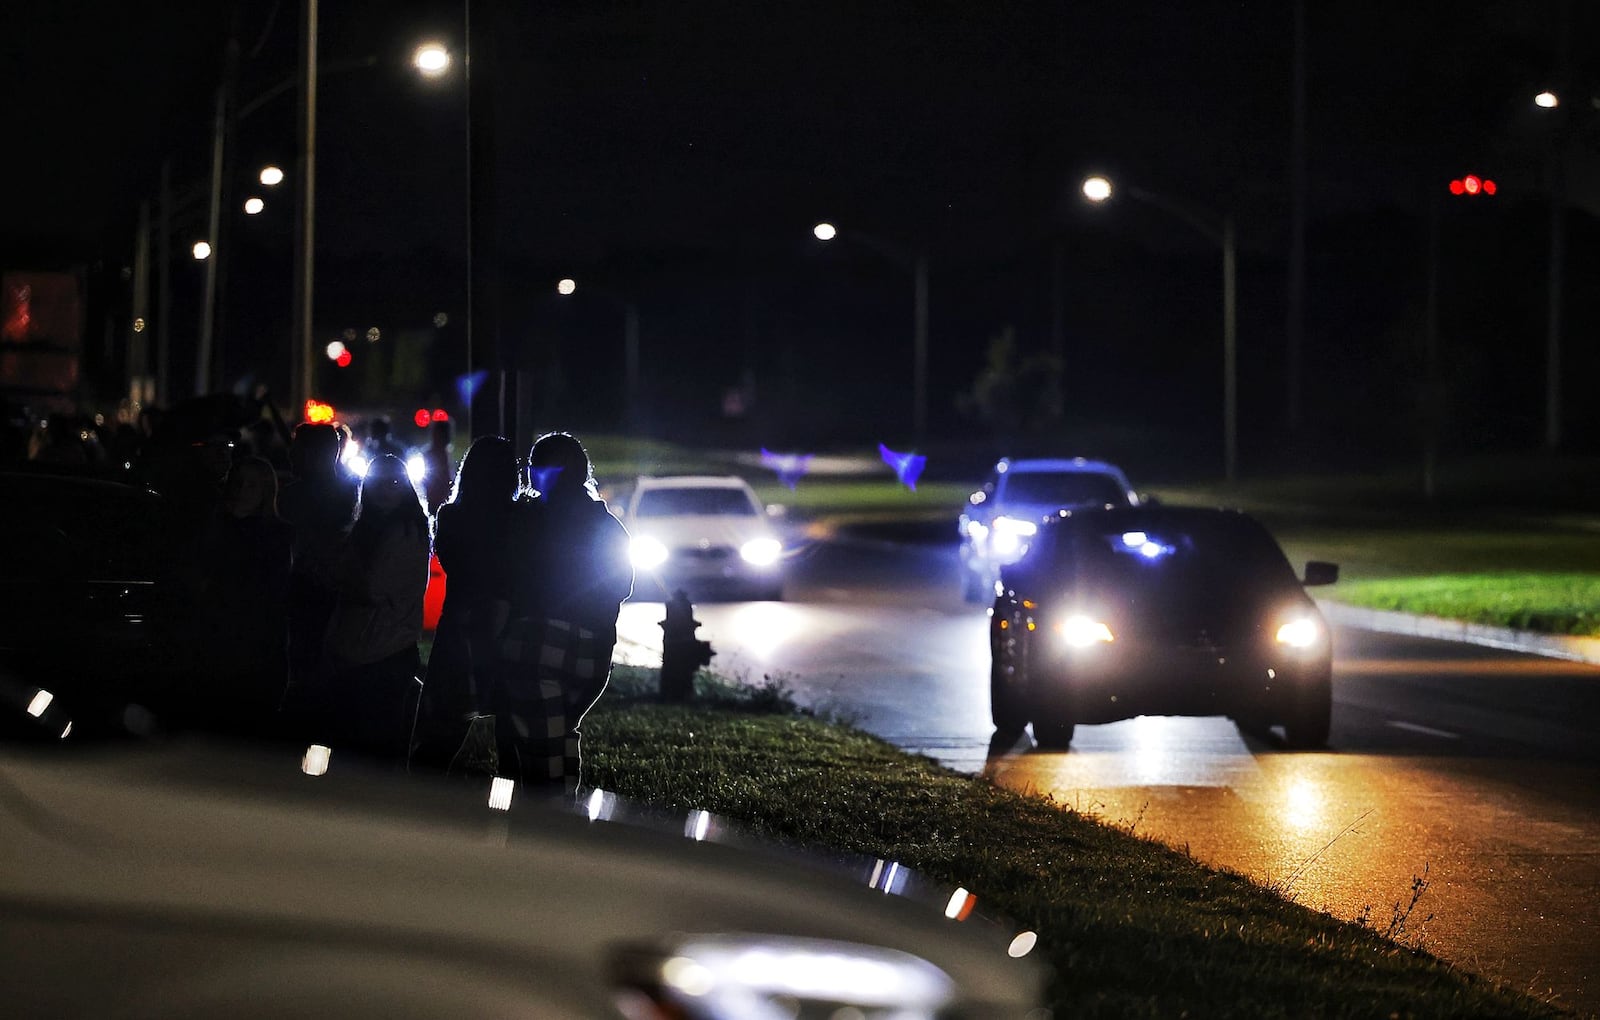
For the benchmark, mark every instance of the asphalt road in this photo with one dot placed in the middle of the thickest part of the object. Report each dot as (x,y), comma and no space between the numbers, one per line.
(1474,771)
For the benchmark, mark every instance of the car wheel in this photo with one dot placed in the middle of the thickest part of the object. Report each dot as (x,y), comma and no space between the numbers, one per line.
(1006,705)
(1053,734)
(1311,716)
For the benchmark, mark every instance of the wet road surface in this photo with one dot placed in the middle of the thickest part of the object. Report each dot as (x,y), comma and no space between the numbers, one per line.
(1474,771)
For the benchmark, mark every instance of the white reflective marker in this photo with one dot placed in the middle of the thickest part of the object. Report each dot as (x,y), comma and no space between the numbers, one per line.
(500,793)
(315,761)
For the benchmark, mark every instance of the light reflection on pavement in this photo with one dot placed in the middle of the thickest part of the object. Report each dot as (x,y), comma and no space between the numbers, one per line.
(1476,768)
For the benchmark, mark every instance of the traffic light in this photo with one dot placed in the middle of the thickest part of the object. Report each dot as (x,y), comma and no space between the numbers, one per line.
(1472,185)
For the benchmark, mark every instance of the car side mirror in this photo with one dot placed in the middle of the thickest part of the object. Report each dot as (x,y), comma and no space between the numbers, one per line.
(777,511)
(1318,572)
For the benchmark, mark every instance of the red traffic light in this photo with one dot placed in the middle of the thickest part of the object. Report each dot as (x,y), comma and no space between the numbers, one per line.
(1472,184)
(421,418)
(344,359)
(440,414)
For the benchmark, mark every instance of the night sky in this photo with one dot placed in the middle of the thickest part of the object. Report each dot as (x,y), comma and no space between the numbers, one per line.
(682,151)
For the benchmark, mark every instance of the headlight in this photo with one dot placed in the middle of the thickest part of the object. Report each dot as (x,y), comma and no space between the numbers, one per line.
(761,552)
(358,466)
(1300,633)
(416,469)
(1010,536)
(977,530)
(1083,631)
(647,553)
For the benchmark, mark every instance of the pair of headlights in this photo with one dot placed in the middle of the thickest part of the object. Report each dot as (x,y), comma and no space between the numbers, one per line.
(1007,536)
(649,553)
(1081,631)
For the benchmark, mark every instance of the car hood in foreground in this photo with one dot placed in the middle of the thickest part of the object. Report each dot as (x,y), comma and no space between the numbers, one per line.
(192,882)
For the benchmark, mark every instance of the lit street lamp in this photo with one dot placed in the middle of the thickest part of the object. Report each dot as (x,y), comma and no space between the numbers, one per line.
(566,287)
(431,59)
(271,176)
(202,250)
(1546,100)
(1220,231)
(253,206)
(918,264)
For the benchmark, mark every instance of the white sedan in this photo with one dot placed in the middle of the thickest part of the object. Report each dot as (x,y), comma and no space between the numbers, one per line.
(707,534)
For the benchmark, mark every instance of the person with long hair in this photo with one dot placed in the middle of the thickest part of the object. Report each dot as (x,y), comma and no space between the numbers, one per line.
(470,538)
(371,682)
(571,575)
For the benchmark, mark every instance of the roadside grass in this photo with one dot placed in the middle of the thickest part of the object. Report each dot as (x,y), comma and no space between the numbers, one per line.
(1129,927)
(1551,603)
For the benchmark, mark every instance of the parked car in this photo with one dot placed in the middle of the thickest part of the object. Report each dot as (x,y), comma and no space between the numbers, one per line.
(1002,516)
(1156,610)
(707,534)
(189,881)
(92,604)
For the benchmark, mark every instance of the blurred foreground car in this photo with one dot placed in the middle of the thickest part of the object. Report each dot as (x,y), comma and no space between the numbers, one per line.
(90,598)
(1159,611)
(188,882)
(707,534)
(999,518)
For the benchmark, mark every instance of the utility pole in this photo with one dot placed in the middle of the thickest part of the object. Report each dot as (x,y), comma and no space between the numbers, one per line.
(306,209)
(139,324)
(1294,327)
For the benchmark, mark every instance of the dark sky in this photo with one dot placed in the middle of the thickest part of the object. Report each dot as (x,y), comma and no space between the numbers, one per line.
(639,124)
(683,151)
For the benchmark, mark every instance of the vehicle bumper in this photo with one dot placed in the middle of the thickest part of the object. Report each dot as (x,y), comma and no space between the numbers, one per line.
(1102,684)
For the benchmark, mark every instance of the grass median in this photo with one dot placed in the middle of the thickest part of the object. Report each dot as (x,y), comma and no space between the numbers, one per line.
(1131,928)
(1553,603)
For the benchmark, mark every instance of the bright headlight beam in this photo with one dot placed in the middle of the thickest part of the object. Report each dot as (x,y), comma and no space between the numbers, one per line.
(1299,633)
(1082,631)
(416,468)
(647,553)
(761,552)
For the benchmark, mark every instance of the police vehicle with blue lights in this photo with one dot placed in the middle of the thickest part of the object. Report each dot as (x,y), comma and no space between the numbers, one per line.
(1114,613)
(1000,517)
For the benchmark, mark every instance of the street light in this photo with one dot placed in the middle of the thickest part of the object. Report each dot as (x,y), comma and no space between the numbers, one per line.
(566,287)
(1546,100)
(918,263)
(253,205)
(271,176)
(202,251)
(1219,230)
(432,59)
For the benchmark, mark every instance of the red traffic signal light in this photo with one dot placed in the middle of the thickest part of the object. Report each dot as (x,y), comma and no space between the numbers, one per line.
(440,414)
(344,359)
(1472,184)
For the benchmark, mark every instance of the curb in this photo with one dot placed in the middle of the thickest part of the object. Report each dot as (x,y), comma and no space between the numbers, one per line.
(1553,646)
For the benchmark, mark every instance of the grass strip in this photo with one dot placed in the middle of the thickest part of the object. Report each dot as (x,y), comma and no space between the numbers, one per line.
(1130,927)
(1551,603)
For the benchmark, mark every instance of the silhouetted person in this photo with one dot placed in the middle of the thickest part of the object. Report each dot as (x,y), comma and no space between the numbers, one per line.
(571,576)
(318,504)
(470,538)
(441,467)
(245,610)
(381,441)
(370,680)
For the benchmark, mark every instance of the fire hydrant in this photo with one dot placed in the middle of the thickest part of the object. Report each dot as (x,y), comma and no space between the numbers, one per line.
(681,652)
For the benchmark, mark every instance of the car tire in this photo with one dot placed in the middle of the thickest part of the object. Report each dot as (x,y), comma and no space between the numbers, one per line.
(1007,706)
(1053,734)
(1311,716)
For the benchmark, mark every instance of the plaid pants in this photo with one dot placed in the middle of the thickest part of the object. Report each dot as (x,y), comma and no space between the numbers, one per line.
(553,672)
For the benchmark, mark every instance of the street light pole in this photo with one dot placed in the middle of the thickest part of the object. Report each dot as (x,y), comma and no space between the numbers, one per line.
(1098,190)
(1230,356)
(306,195)
(919,370)
(919,315)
